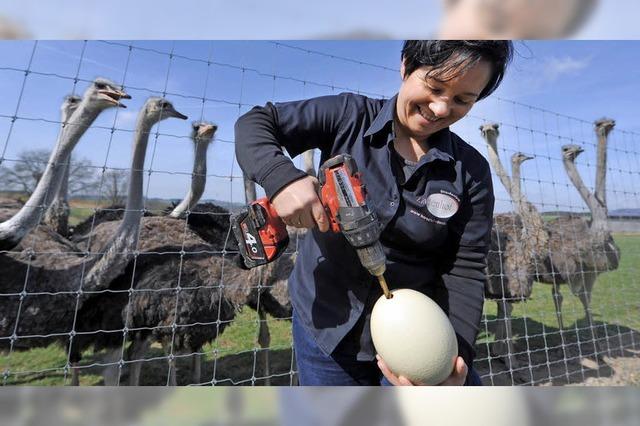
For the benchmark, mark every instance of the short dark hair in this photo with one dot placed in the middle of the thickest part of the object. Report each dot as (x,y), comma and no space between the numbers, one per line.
(453,57)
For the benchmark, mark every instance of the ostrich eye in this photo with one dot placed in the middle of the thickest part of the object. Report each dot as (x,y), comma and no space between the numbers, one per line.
(101,86)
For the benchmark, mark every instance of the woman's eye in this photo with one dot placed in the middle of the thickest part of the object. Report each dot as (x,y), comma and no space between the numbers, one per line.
(461,102)
(435,90)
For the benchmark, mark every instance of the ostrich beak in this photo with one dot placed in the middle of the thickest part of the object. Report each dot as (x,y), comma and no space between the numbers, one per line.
(114,96)
(207,130)
(179,115)
(526,157)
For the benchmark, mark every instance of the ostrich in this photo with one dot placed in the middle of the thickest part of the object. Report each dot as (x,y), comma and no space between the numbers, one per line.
(153,111)
(210,226)
(173,253)
(579,257)
(163,237)
(512,258)
(41,296)
(202,135)
(100,95)
(577,247)
(57,216)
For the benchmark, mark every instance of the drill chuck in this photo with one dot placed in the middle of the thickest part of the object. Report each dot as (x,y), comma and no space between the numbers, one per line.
(373,258)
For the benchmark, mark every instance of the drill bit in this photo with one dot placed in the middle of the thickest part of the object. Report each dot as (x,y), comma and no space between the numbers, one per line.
(385,288)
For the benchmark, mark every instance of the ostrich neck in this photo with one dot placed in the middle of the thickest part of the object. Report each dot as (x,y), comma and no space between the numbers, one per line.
(135,202)
(598,212)
(516,189)
(601,169)
(249,190)
(198,180)
(28,217)
(117,252)
(494,159)
(61,194)
(307,159)
(534,226)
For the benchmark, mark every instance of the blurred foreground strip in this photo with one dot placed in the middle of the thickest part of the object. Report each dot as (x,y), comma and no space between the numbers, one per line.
(319,406)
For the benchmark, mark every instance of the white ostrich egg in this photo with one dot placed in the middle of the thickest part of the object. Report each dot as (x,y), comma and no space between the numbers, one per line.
(442,406)
(414,337)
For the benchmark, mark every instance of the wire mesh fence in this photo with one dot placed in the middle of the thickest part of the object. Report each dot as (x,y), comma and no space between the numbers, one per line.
(562,300)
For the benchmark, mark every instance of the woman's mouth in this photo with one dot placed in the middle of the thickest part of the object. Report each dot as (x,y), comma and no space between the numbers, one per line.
(426,116)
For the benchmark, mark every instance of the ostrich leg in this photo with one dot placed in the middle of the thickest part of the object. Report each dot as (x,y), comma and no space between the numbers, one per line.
(504,335)
(584,294)
(173,380)
(264,340)
(75,374)
(196,367)
(136,353)
(111,372)
(557,301)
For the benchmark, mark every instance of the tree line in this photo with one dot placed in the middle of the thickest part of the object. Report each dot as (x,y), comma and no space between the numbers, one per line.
(85,179)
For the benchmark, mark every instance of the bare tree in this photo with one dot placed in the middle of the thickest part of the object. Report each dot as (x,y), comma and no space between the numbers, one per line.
(114,187)
(25,172)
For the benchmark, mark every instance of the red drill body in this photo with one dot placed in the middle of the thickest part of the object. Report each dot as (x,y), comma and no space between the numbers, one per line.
(262,235)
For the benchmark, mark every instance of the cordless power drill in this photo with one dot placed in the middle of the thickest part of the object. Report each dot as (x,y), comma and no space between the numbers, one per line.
(262,235)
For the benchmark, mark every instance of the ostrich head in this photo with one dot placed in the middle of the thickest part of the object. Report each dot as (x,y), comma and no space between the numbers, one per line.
(69,105)
(157,109)
(570,152)
(103,94)
(519,158)
(604,126)
(203,131)
(490,131)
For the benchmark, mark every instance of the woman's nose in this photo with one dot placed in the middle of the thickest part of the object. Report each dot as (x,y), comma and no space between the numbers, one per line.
(440,109)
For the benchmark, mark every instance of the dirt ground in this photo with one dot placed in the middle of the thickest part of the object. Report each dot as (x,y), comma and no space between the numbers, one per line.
(543,359)
(613,361)
(571,364)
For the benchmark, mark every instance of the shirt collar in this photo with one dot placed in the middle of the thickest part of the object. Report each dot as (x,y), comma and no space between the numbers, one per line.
(440,143)
(384,117)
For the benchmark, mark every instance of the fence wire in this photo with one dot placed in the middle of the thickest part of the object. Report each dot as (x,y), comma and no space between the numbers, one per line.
(183,313)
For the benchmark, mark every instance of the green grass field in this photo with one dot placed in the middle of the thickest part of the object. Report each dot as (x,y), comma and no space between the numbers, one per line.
(81,209)
(615,302)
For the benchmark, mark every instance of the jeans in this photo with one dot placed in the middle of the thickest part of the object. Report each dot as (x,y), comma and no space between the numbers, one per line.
(315,368)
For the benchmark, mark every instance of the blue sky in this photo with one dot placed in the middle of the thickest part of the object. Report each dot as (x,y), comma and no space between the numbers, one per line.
(584,80)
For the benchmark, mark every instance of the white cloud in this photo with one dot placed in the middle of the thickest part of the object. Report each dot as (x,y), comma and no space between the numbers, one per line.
(554,68)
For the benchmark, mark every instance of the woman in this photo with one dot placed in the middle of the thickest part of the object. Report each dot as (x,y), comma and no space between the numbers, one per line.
(410,162)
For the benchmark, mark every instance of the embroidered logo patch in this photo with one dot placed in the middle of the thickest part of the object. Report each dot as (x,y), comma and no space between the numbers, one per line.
(442,205)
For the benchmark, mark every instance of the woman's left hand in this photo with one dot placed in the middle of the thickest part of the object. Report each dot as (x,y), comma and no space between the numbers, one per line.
(457,377)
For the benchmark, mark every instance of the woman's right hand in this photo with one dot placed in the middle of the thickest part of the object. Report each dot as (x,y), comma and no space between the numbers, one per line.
(298,205)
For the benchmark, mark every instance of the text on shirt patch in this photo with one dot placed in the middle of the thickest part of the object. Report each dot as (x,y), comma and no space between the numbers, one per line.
(426,218)
(442,205)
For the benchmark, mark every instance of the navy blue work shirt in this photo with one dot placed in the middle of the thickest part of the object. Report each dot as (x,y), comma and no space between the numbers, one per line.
(436,218)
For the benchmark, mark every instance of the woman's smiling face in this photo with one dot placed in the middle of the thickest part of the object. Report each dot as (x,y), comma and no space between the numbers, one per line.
(427,104)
